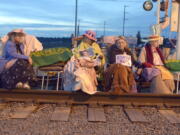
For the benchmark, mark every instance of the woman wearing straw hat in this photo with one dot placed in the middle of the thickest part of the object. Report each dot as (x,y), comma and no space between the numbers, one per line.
(18,71)
(153,62)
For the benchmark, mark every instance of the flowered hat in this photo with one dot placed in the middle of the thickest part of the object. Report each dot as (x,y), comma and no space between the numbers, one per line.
(91,35)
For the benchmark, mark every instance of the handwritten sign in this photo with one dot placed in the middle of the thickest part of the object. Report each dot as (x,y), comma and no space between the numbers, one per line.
(124,59)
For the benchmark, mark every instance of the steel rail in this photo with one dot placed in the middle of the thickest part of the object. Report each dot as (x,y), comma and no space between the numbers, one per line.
(47,96)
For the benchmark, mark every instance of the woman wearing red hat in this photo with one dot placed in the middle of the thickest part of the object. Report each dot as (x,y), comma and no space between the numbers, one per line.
(162,81)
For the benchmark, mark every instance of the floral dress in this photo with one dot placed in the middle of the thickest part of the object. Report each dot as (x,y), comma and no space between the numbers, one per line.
(20,71)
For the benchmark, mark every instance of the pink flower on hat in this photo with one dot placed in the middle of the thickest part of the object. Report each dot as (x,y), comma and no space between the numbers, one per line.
(90,34)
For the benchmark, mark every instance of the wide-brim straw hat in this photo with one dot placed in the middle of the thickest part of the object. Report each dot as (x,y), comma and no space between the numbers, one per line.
(17,31)
(154,38)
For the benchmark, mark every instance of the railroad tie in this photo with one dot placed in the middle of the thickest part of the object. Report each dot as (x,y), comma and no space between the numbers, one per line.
(171,116)
(96,114)
(135,115)
(23,112)
(61,114)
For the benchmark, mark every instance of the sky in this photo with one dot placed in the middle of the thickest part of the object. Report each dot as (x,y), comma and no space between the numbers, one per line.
(56,18)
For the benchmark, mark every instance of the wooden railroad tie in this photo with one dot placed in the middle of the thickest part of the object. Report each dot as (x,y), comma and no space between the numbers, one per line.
(23,112)
(171,116)
(135,115)
(61,114)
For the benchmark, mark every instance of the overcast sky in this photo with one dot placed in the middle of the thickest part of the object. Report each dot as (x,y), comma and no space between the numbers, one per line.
(55,18)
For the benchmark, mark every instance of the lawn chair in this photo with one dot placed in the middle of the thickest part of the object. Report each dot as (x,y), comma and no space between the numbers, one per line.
(46,71)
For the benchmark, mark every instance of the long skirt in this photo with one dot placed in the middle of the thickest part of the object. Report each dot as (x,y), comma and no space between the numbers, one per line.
(21,71)
(162,81)
(160,86)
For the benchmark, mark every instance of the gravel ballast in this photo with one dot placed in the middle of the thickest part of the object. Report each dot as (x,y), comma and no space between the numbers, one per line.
(117,123)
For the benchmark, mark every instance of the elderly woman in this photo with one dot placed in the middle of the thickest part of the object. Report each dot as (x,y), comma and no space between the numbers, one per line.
(79,72)
(89,43)
(154,70)
(18,71)
(119,76)
(30,43)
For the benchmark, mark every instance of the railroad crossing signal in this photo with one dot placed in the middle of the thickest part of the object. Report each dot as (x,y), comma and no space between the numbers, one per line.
(148,5)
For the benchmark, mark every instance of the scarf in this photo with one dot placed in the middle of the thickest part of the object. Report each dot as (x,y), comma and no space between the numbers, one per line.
(149,54)
(18,49)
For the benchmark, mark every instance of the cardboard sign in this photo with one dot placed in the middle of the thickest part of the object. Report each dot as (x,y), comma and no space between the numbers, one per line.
(124,59)
(90,51)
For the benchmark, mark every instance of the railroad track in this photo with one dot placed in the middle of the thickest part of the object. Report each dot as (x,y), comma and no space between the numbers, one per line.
(63,102)
(102,98)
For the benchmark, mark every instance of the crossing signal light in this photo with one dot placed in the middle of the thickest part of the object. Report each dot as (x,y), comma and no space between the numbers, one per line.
(148,5)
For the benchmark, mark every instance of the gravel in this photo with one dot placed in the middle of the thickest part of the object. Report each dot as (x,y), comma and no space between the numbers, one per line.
(117,122)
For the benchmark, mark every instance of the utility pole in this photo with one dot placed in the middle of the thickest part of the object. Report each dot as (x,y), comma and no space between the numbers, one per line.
(124,19)
(76,16)
(78,28)
(158,11)
(104,28)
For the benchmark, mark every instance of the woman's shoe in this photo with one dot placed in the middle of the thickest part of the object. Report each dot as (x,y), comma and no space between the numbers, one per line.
(19,85)
(26,86)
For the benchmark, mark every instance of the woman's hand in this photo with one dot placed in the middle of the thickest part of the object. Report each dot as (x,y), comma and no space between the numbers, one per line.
(30,60)
(77,63)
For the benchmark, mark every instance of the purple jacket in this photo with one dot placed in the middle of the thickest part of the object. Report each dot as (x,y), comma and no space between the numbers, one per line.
(10,51)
